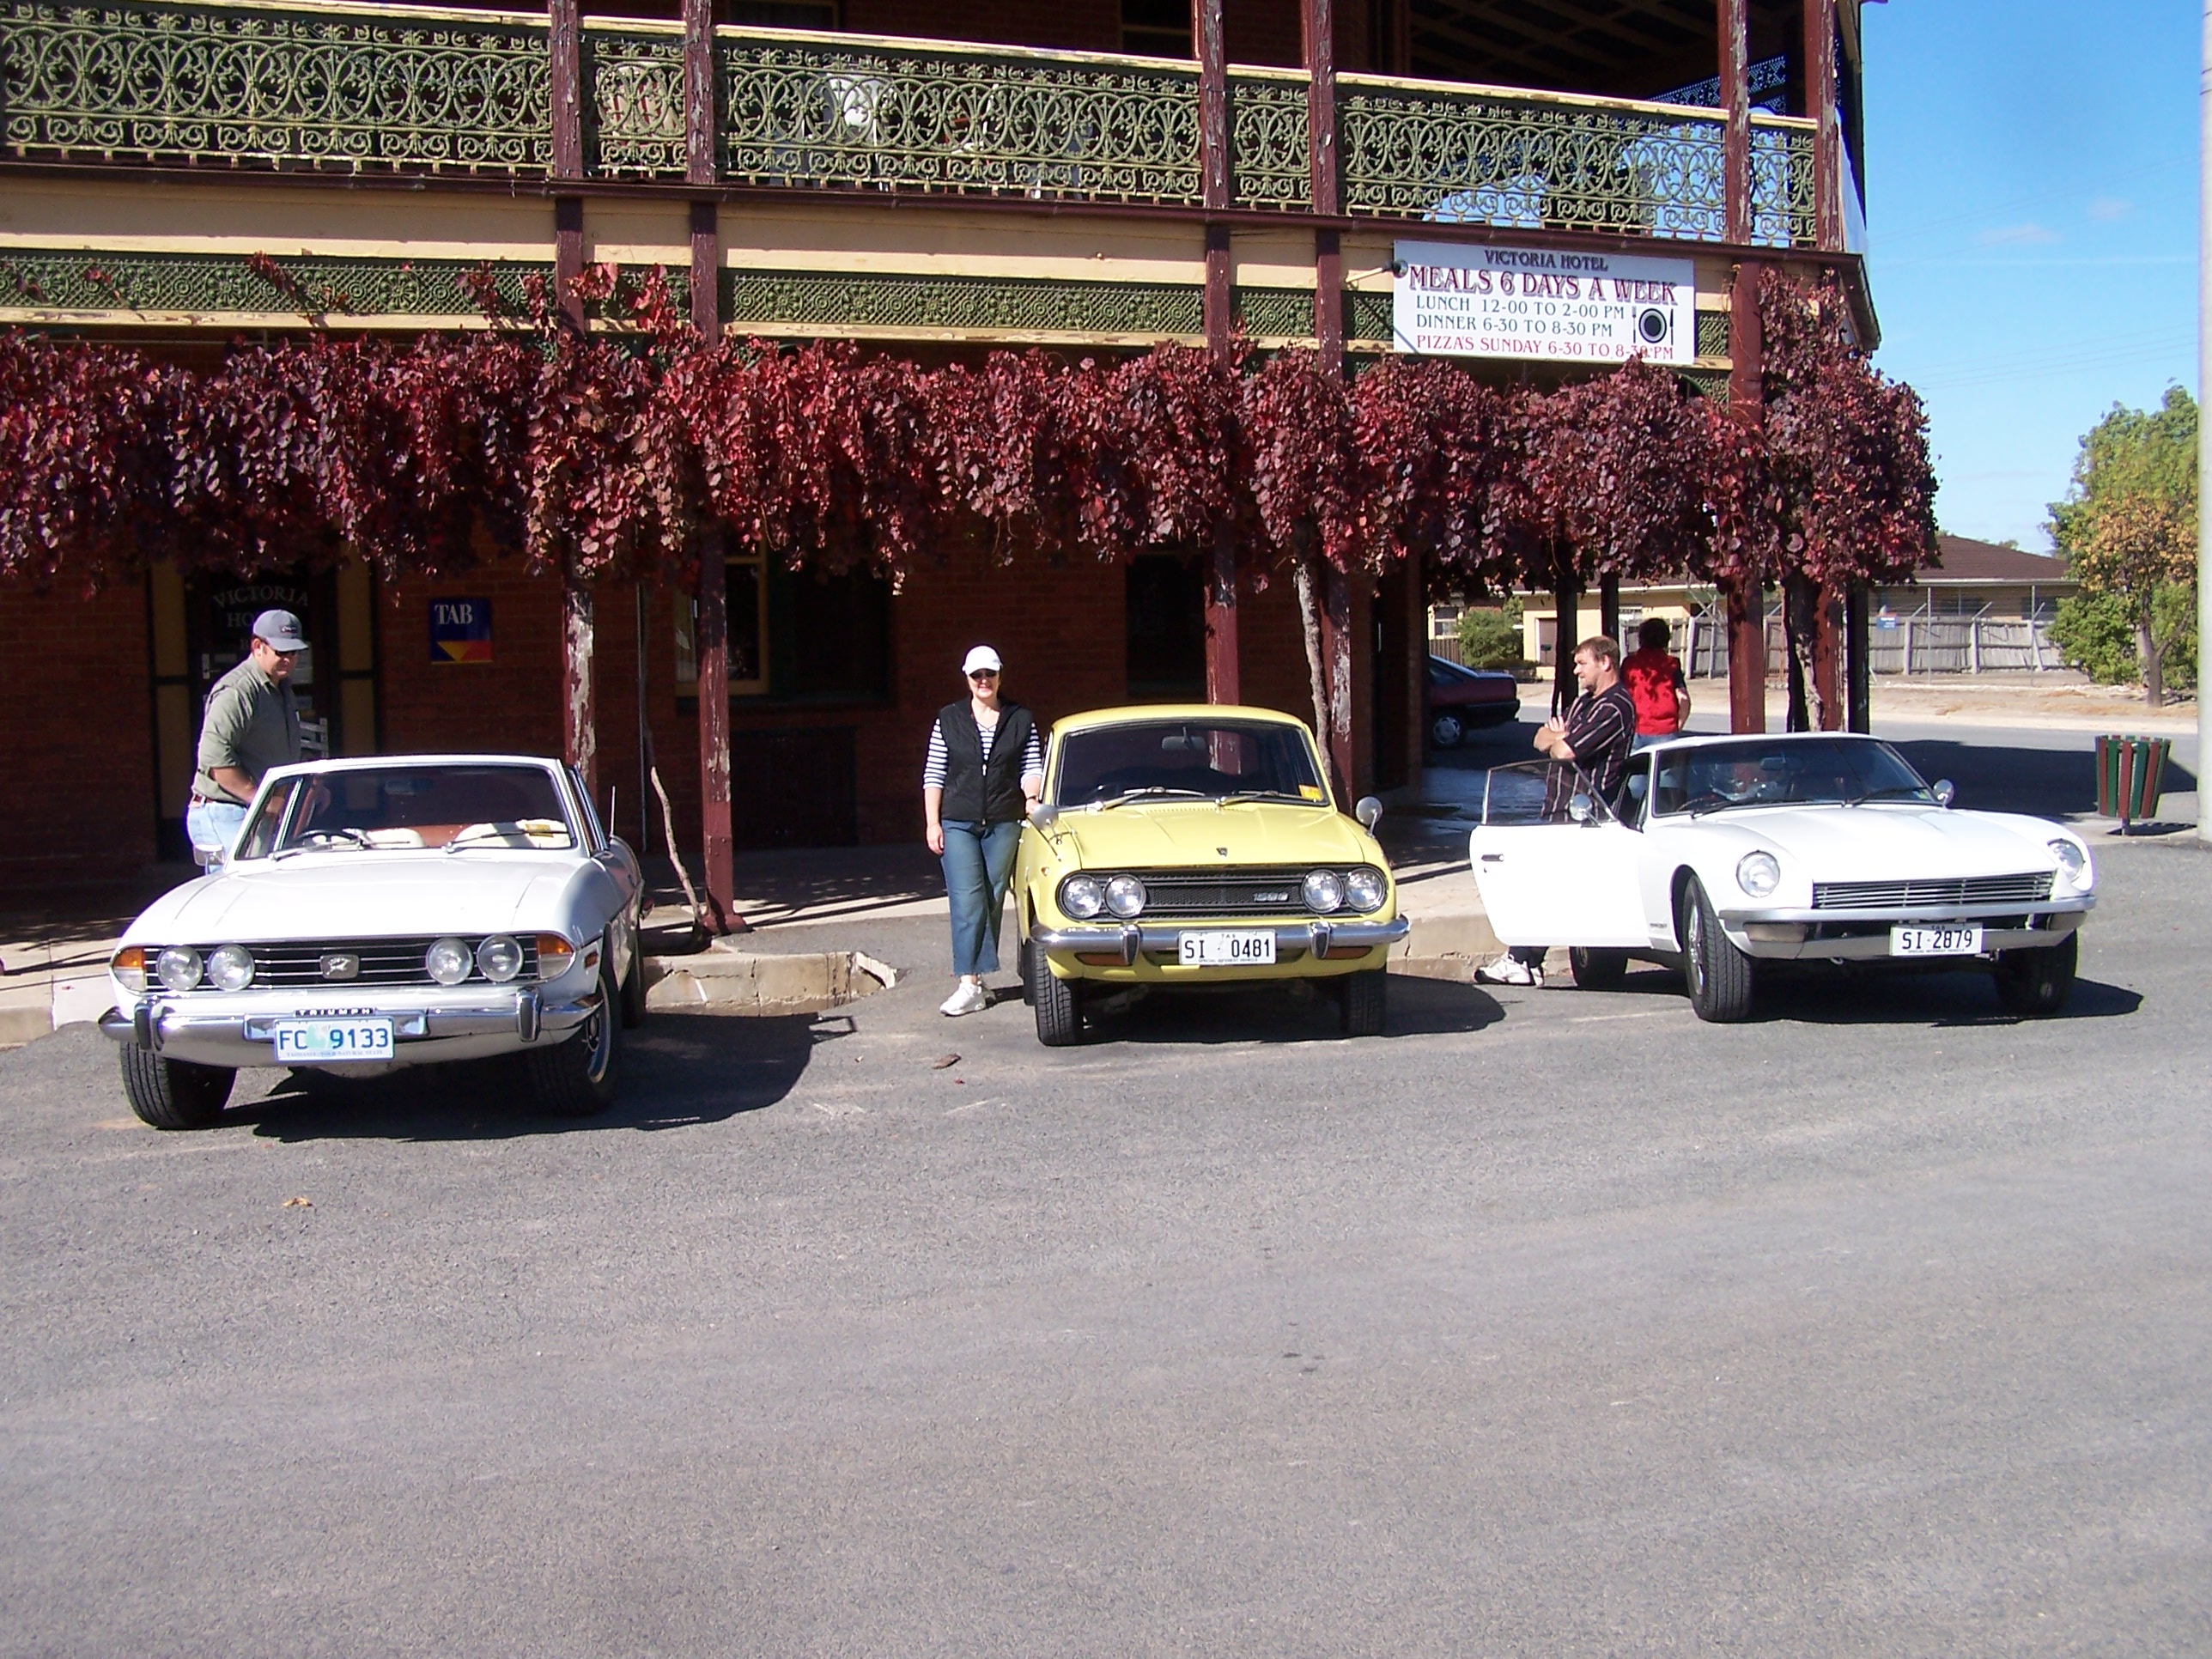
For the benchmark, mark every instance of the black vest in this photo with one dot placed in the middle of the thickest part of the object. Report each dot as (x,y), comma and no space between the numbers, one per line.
(975,793)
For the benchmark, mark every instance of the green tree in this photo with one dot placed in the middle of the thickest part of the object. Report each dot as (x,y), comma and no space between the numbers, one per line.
(2128,528)
(1491,639)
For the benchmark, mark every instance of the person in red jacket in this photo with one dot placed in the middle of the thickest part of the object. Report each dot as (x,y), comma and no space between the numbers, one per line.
(1656,685)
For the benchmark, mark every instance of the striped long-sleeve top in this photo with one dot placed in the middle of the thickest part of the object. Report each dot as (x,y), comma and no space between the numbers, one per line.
(933,766)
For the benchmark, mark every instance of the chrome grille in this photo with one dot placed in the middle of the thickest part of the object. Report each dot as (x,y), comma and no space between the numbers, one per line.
(1892,894)
(1227,893)
(383,961)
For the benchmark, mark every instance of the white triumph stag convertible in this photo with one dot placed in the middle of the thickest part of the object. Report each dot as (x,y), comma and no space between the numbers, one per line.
(391,912)
(1728,854)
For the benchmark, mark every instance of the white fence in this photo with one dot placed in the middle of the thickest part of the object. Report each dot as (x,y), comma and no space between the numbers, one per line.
(1912,645)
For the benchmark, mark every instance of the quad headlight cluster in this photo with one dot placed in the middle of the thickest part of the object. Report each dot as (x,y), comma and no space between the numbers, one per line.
(449,961)
(1324,892)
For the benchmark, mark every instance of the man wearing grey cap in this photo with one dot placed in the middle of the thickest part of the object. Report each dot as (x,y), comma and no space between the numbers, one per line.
(252,725)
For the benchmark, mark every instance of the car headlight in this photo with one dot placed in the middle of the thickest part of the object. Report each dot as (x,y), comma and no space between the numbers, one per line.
(1125,896)
(448,961)
(129,967)
(1758,873)
(500,958)
(1082,896)
(1324,891)
(1363,889)
(230,967)
(2072,862)
(179,966)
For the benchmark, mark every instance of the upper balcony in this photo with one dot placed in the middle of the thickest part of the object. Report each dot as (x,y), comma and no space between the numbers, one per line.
(406,92)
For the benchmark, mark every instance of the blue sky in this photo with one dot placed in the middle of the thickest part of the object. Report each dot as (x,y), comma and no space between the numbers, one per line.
(2031,230)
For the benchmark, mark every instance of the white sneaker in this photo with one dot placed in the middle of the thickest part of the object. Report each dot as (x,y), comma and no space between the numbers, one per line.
(966,999)
(1510,969)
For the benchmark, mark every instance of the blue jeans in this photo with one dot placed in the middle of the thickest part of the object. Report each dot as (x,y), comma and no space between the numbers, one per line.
(213,825)
(979,862)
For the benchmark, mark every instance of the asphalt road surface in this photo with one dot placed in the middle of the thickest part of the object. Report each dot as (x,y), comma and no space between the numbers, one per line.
(1552,1323)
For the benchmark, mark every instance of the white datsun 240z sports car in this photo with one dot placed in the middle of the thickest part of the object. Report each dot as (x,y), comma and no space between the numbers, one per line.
(389,912)
(1727,852)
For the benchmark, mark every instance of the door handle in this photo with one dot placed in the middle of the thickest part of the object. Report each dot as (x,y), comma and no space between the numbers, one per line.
(1493,858)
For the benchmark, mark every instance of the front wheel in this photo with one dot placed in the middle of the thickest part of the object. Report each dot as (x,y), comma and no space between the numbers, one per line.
(1057,1002)
(1446,729)
(1366,1000)
(1596,969)
(2037,982)
(1719,975)
(576,1077)
(633,988)
(174,1094)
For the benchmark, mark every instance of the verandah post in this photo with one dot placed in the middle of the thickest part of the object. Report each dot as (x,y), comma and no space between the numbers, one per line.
(1319,20)
(1223,669)
(711,639)
(1746,624)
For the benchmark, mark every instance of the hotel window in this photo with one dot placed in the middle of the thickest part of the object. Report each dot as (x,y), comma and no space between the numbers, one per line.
(1156,28)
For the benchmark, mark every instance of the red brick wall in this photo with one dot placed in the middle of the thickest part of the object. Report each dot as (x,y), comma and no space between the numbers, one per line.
(76,739)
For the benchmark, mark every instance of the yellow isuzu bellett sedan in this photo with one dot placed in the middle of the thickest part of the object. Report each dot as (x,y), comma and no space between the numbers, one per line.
(1192,845)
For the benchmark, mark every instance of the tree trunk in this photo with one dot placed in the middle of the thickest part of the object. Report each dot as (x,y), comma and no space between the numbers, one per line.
(1309,626)
(2153,660)
(1799,598)
(1337,603)
(580,742)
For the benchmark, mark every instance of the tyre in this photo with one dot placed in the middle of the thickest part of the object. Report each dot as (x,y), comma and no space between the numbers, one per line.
(1596,969)
(174,1094)
(1718,975)
(1027,958)
(2034,983)
(1446,729)
(633,991)
(576,1077)
(1058,1003)
(1366,1000)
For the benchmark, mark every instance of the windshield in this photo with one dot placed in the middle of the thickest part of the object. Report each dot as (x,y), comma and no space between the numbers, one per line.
(405,808)
(1791,772)
(1196,759)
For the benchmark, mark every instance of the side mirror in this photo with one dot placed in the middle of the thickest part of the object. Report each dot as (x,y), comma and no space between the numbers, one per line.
(1578,808)
(1367,812)
(1945,792)
(1042,816)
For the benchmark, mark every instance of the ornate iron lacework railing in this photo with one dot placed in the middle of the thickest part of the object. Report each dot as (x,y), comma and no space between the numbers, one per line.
(326,86)
(356,86)
(1529,160)
(829,110)
(634,91)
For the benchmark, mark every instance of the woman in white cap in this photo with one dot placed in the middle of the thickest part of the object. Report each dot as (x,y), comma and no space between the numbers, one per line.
(981,780)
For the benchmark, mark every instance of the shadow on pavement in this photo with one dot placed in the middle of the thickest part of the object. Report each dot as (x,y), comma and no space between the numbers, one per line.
(1935,1000)
(679,1071)
(2047,782)
(1276,1013)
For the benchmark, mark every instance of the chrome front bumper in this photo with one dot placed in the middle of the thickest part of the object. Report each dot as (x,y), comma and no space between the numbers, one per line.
(1131,940)
(1776,935)
(243,1035)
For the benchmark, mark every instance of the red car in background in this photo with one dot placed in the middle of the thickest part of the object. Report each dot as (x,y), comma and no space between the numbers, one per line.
(1461,699)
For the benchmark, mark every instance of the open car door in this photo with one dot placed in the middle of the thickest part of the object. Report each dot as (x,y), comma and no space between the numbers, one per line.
(1564,876)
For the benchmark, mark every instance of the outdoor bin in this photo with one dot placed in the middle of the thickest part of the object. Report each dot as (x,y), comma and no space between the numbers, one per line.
(2130,772)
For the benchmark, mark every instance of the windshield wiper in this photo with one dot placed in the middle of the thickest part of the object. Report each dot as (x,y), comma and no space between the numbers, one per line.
(1152,792)
(1911,791)
(1269,794)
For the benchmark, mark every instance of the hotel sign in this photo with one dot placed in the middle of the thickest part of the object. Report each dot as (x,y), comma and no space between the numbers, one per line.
(1543,304)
